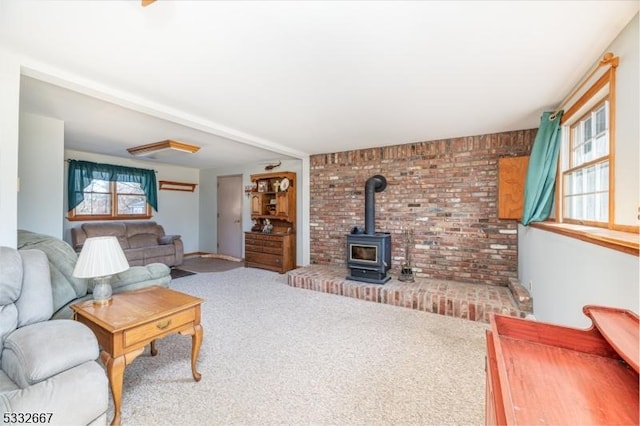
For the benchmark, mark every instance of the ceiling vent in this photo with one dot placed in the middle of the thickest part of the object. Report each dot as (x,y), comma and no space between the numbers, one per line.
(165,147)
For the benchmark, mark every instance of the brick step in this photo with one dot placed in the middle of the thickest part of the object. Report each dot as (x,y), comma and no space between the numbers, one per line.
(463,300)
(521,296)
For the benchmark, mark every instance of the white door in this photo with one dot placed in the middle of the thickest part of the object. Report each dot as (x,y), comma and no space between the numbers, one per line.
(230,216)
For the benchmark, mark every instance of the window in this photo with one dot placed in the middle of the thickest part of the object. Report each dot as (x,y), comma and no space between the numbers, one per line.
(103,191)
(586,182)
(586,192)
(118,200)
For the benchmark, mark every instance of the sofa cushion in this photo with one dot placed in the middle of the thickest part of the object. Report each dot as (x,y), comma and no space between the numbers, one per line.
(135,254)
(36,352)
(35,303)
(158,270)
(108,229)
(168,239)
(139,274)
(74,397)
(11,276)
(8,322)
(6,384)
(159,251)
(143,240)
(135,228)
(10,286)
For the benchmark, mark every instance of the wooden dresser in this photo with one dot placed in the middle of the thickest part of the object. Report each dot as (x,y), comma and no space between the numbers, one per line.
(540,373)
(276,252)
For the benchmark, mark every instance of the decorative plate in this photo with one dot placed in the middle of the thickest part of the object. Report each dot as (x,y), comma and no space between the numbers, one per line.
(284,184)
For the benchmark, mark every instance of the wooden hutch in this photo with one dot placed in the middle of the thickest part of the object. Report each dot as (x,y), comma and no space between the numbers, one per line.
(273,200)
(541,373)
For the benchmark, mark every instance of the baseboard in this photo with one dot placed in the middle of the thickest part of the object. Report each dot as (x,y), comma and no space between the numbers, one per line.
(213,256)
(196,254)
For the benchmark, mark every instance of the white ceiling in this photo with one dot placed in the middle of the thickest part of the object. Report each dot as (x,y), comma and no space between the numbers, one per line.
(254,81)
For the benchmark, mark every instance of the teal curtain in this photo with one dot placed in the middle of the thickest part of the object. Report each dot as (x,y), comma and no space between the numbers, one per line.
(81,173)
(541,174)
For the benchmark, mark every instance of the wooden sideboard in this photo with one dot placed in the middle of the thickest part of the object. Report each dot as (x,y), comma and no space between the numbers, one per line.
(541,373)
(276,252)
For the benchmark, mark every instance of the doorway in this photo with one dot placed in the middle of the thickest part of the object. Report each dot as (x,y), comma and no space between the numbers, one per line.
(230,216)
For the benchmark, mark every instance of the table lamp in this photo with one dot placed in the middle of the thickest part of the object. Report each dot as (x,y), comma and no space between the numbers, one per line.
(100,258)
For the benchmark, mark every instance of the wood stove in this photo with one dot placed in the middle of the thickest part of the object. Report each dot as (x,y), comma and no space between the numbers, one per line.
(369,257)
(369,252)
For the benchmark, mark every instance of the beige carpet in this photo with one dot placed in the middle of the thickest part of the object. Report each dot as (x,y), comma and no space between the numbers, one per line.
(277,355)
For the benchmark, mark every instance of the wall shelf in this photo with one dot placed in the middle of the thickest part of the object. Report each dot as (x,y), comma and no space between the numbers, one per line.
(166,185)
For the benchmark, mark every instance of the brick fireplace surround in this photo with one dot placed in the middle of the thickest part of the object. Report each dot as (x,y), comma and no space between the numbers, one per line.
(445,191)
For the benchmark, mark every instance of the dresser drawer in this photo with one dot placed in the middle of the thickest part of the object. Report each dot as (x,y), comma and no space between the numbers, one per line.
(249,238)
(272,250)
(264,258)
(273,243)
(253,247)
(158,328)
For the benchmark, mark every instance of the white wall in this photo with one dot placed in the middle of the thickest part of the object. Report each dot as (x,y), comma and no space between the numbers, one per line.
(627,139)
(9,122)
(209,204)
(567,273)
(41,173)
(178,211)
(208,224)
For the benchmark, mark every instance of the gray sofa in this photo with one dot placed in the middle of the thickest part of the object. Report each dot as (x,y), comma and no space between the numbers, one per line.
(68,289)
(142,242)
(49,369)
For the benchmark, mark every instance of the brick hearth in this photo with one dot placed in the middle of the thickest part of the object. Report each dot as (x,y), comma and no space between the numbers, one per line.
(461,300)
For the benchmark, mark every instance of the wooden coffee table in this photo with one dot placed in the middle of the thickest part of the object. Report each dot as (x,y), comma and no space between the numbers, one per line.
(135,319)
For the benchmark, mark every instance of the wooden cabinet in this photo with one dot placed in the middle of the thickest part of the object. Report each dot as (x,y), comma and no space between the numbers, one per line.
(256,205)
(273,200)
(282,206)
(512,175)
(276,252)
(270,200)
(540,373)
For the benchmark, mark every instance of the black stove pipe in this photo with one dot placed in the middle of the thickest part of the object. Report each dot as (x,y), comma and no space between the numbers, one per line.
(376,183)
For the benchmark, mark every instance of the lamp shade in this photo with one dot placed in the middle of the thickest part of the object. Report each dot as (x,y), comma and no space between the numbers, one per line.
(100,256)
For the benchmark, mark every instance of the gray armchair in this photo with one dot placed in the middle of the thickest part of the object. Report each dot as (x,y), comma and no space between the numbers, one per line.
(49,368)
(68,289)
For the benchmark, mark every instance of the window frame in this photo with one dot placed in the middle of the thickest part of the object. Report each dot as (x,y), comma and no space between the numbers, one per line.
(592,99)
(114,215)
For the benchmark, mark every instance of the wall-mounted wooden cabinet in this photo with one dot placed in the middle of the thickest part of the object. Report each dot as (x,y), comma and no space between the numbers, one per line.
(274,200)
(512,175)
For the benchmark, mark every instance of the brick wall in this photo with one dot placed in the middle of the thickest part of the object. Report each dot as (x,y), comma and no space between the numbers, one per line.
(445,190)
